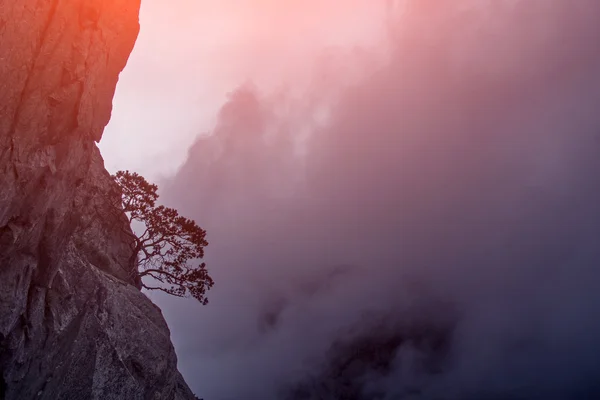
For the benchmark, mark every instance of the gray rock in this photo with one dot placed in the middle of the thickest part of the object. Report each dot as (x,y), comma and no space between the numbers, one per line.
(73,324)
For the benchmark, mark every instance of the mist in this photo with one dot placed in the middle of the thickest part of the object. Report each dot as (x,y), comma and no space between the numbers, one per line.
(415,218)
(190,54)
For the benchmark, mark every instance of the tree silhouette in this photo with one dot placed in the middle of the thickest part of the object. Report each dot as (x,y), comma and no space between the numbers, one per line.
(169,243)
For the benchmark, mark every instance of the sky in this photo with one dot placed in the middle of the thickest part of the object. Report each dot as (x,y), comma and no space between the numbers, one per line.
(401,202)
(190,54)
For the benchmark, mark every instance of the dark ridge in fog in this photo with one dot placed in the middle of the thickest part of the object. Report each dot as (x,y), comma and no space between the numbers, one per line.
(360,356)
(463,173)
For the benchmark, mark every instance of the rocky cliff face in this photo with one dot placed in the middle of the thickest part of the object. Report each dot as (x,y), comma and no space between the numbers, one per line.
(72,324)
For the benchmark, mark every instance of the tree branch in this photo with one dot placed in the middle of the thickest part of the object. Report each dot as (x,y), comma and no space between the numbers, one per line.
(150,271)
(163,290)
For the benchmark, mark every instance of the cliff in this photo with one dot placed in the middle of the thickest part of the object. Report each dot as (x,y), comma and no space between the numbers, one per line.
(72,323)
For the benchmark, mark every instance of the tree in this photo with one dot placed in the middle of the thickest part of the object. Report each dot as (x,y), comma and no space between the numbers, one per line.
(169,243)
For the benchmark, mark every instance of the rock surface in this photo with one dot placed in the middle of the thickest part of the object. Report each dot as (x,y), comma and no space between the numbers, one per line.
(72,323)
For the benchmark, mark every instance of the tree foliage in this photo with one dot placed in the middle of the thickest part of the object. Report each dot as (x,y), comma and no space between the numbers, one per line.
(169,243)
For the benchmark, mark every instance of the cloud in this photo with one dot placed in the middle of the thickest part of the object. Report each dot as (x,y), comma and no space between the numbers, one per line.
(426,229)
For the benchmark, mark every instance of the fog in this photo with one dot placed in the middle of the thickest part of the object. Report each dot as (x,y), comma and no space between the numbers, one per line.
(191,53)
(415,218)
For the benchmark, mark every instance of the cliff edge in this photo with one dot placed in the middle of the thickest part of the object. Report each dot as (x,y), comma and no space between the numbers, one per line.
(72,323)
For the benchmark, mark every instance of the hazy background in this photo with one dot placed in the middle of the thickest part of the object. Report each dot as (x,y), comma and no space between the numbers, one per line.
(191,53)
(401,198)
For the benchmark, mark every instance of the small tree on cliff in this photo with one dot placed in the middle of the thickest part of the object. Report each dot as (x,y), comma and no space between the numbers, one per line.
(169,243)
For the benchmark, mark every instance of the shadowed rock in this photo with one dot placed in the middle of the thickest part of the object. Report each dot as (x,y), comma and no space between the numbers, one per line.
(72,323)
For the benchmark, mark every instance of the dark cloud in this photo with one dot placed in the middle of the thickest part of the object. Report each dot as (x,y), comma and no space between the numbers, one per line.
(435,236)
